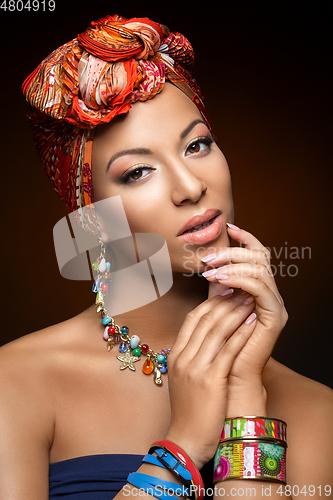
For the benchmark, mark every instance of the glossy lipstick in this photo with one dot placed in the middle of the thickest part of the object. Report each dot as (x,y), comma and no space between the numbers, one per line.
(211,222)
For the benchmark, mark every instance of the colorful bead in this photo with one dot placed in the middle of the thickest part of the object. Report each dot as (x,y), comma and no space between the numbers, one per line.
(147,366)
(108,266)
(111,330)
(95,287)
(106,320)
(161,359)
(134,341)
(144,348)
(105,288)
(106,333)
(123,347)
(124,330)
(95,265)
(116,339)
(165,351)
(163,369)
(136,352)
(102,266)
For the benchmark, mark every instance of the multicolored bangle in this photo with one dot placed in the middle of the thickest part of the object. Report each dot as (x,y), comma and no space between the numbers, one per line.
(254,427)
(252,448)
(196,482)
(250,459)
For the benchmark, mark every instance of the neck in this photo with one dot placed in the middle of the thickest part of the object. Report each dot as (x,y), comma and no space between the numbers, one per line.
(159,322)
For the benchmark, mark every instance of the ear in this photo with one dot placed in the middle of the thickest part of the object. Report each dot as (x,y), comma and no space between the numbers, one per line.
(111,219)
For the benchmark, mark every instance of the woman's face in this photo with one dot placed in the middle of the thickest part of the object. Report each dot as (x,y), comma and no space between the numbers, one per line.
(171,176)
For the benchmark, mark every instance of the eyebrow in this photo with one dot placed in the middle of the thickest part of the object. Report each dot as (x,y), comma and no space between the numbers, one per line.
(134,151)
(190,127)
(145,151)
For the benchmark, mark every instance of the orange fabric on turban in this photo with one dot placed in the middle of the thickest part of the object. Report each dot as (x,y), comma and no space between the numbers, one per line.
(90,80)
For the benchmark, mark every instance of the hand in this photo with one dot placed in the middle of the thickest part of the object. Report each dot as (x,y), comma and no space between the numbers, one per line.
(207,345)
(249,269)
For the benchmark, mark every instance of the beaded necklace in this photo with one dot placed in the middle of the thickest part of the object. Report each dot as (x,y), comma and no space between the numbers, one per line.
(130,348)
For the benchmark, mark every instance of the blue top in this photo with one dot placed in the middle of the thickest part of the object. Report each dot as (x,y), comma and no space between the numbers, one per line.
(98,477)
(92,477)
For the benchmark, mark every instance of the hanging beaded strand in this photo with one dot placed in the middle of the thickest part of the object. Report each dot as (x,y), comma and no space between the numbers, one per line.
(130,348)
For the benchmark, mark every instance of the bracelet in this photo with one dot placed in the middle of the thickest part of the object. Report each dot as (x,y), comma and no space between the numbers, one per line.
(252,448)
(166,460)
(141,481)
(196,482)
(250,459)
(261,427)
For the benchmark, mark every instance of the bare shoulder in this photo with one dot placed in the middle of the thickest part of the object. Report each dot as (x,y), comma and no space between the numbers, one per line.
(28,368)
(307,407)
(32,353)
(28,364)
(295,391)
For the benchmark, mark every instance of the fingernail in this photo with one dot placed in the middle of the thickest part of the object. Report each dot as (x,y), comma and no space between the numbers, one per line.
(248,300)
(226,293)
(222,276)
(232,226)
(209,257)
(251,318)
(210,273)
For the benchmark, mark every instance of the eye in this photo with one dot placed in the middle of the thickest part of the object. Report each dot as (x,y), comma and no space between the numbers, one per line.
(200,145)
(136,174)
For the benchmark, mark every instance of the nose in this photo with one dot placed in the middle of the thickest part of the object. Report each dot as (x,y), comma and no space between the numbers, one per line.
(186,185)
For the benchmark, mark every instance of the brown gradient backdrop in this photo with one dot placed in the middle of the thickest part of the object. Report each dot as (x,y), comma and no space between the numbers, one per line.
(264,71)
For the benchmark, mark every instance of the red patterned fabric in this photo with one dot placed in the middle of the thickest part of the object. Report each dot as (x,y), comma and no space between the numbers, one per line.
(90,80)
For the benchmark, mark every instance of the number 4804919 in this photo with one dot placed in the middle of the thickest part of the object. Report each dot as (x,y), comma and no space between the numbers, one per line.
(27,5)
(295,491)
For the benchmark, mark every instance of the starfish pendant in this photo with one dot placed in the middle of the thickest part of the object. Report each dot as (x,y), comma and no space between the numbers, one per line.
(127,360)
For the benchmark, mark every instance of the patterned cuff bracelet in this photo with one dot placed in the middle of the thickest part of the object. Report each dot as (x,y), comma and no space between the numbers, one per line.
(254,427)
(252,448)
(250,459)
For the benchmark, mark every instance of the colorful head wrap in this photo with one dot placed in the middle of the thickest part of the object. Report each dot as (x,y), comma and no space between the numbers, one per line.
(90,80)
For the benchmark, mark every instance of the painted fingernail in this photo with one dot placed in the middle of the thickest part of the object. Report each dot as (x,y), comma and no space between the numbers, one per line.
(209,257)
(228,292)
(222,276)
(209,273)
(251,318)
(248,300)
(232,226)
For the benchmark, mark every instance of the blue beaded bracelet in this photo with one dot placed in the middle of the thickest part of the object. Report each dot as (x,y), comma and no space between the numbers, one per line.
(141,481)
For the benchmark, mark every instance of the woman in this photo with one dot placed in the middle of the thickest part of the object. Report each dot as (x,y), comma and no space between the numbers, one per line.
(164,159)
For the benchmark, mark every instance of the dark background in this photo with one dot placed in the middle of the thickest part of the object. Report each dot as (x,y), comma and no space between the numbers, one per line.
(264,70)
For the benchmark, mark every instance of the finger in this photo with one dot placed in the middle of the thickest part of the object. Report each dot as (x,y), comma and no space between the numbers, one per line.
(226,356)
(249,270)
(236,255)
(217,325)
(246,239)
(193,317)
(263,294)
(219,289)
(221,333)
(191,321)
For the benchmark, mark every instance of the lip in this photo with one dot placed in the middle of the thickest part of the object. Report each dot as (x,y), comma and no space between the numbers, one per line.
(206,234)
(199,219)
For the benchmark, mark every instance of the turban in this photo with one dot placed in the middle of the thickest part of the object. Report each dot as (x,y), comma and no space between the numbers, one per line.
(90,80)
